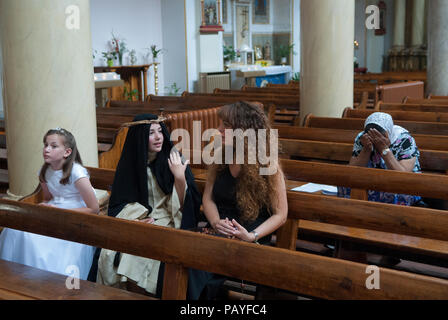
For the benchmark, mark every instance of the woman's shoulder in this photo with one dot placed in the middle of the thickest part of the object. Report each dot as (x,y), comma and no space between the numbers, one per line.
(404,137)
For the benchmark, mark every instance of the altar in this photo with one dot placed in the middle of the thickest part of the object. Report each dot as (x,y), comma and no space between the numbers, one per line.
(258,76)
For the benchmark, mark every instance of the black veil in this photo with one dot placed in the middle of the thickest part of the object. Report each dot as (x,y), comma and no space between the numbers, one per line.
(130,182)
(131,185)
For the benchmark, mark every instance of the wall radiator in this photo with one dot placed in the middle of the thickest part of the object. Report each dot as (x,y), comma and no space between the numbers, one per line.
(211,80)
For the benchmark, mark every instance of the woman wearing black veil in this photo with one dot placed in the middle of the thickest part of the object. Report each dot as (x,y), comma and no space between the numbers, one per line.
(153,185)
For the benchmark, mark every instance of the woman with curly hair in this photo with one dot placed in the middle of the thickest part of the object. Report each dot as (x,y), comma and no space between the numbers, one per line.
(238,201)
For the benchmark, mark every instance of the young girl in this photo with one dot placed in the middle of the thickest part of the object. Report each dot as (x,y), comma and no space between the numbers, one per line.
(65,184)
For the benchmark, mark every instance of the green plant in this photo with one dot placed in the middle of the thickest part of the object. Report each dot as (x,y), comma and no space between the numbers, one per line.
(109,55)
(229,53)
(296,76)
(284,50)
(173,89)
(128,95)
(154,51)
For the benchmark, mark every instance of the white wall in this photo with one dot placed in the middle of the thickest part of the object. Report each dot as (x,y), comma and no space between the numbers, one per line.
(173,34)
(138,21)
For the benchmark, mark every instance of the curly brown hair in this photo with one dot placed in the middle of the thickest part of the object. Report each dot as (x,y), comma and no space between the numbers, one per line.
(253,191)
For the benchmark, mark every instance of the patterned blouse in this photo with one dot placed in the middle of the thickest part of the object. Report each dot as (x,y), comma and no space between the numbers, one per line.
(403,148)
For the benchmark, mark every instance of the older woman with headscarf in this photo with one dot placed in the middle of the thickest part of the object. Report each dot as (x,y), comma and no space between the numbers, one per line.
(384,145)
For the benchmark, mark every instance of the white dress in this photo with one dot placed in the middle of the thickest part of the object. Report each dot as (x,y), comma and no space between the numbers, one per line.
(51,254)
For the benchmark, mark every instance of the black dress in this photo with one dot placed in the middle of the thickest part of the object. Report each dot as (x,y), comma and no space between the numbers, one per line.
(224,196)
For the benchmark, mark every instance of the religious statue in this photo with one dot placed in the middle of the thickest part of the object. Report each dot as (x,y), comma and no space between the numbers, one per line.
(267,51)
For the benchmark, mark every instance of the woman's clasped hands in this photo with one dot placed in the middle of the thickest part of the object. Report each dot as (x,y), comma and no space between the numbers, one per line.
(232,229)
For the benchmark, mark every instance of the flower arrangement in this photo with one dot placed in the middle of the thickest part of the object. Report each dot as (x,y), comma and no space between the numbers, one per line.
(109,56)
(119,47)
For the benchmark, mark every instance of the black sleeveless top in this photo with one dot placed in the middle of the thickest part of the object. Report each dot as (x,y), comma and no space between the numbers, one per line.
(224,196)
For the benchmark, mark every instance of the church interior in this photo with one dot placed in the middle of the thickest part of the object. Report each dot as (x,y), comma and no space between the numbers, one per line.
(321,72)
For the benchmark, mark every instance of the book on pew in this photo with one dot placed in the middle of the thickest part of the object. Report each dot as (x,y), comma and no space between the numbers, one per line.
(315,187)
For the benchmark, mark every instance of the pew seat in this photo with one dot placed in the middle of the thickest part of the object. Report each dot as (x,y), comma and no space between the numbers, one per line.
(403,246)
(21,282)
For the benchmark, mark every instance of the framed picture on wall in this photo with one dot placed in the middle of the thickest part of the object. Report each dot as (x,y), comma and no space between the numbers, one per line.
(211,16)
(260,14)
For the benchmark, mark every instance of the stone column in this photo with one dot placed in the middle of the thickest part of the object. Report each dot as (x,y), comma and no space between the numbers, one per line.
(418,23)
(48,82)
(437,47)
(399,24)
(326,77)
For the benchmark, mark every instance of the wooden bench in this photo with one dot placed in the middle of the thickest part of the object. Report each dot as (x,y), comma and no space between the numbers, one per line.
(210,99)
(396,92)
(399,115)
(391,77)
(276,90)
(440,100)
(429,142)
(259,92)
(306,274)
(20,282)
(335,175)
(385,107)
(430,160)
(414,127)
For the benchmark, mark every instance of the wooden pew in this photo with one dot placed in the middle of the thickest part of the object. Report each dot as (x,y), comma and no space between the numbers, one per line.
(434,97)
(391,77)
(385,107)
(299,272)
(440,100)
(430,142)
(290,84)
(342,152)
(430,160)
(270,90)
(414,127)
(20,282)
(396,92)
(399,115)
(213,100)
(361,179)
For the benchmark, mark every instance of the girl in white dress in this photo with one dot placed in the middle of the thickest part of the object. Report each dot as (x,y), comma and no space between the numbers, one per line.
(65,184)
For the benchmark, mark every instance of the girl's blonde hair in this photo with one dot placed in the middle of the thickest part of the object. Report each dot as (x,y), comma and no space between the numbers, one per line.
(253,191)
(69,142)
